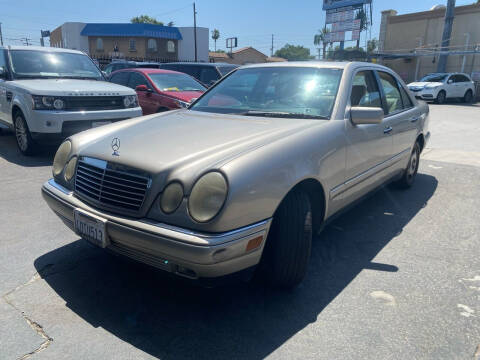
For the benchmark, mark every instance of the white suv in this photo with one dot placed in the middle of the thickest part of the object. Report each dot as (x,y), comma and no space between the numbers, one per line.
(441,86)
(48,94)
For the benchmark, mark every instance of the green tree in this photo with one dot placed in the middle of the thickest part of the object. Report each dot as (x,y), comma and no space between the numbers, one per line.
(293,53)
(215,37)
(321,38)
(145,19)
(362,15)
(372,45)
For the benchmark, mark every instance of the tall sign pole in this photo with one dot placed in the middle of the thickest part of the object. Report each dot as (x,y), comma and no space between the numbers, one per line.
(1,36)
(195,30)
(447,32)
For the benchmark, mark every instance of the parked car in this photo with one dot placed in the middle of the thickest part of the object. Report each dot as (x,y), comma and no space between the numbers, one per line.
(442,86)
(47,94)
(118,65)
(207,73)
(159,90)
(243,177)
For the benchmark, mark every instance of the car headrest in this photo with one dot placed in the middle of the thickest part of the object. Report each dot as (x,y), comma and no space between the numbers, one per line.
(357,93)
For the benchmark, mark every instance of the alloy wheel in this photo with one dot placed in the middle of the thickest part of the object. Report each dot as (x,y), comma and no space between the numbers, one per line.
(21,134)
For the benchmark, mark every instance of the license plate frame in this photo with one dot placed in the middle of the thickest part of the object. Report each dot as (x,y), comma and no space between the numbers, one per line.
(91,228)
(96,124)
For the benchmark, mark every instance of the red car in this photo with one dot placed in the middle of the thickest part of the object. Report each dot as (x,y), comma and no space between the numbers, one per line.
(159,90)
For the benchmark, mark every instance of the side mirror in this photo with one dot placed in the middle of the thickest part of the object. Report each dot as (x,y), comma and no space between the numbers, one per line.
(3,73)
(366,115)
(143,88)
(449,81)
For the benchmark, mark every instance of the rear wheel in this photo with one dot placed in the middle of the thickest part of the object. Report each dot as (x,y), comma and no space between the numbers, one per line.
(410,173)
(468,97)
(441,97)
(287,250)
(25,143)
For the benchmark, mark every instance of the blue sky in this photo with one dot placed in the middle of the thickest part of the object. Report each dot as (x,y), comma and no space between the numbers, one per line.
(252,21)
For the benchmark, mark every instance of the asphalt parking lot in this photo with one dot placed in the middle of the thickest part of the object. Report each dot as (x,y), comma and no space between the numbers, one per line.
(396,277)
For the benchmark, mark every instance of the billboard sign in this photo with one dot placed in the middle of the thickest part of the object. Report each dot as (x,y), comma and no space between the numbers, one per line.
(336,16)
(335,36)
(335,4)
(348,25)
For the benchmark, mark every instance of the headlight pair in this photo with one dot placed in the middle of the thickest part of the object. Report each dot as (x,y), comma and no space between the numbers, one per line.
(130,101)
(61,162)
(206,198)
(48,102)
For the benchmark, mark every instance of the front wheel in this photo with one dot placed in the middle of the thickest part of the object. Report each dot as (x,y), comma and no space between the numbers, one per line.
(410,173)
(25,143)
(287,250)
(441,97)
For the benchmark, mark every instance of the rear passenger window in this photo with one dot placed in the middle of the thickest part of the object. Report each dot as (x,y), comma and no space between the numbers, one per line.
(461,78)
(365,91)
(120,78)
(392,93)
(407,102)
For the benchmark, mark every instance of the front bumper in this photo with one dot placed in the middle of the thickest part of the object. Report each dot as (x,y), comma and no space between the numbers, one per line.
(425,94)
(180,251)
(58,122)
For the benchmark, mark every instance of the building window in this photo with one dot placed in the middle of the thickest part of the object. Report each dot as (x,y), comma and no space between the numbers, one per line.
(152,45)
(170,46)
(99,44)
(132,45)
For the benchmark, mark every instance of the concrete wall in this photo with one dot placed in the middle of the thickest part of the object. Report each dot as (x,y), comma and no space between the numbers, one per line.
(186,47)
(72,38)
(404,33)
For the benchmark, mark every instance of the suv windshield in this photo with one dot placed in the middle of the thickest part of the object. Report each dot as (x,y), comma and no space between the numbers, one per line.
(175,82)
(434,78)
(301,92)
(28,64)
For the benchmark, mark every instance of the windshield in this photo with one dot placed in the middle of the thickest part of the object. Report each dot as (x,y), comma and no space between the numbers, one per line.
(224,70)
(434,78)
(176,82)
(43,64)
(303,92)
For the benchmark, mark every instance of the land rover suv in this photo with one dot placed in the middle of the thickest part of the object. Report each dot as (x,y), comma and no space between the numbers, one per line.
(48,94)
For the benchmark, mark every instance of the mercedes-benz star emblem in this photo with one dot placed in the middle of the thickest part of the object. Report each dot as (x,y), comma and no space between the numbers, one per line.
(115,146)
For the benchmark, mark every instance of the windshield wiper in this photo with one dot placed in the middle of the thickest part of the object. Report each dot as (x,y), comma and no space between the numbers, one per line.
(79,77)
(282,114)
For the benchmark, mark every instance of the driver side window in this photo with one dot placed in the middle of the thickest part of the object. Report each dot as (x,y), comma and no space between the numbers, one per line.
(365,91)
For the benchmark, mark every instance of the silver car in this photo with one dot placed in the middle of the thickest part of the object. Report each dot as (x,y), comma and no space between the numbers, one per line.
(242,179)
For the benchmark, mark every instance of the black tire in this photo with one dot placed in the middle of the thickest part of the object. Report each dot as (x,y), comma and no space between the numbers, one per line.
(25,143)
(410,173)
(441,97)
(468,97)
(287,250)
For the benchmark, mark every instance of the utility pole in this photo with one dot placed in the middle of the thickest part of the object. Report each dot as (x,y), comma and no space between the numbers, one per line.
(466,48)
(271,49)
(417,58)
(41,38)
(195,30)
(1,36)
(447,33)
(26,41)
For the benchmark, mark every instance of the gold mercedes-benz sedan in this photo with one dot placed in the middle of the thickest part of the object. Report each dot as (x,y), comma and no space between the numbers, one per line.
(242,178)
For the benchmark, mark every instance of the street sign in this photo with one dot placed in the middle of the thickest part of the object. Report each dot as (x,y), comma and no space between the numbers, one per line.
(45,33)
(335,4)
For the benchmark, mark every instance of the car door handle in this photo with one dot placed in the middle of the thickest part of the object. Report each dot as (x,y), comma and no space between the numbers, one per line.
(387,130)
(414,119)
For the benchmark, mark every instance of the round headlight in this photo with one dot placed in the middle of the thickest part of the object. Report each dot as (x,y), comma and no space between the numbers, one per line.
(127,101)
(58,104)
(207,197)
(70,169)
(47,101)
(61,157)
(171,198)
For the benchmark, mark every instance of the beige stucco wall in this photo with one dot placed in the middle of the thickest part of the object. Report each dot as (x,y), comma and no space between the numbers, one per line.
(403,34)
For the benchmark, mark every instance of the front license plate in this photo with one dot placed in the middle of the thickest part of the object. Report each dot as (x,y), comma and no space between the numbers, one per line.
(100,123)
(91,228)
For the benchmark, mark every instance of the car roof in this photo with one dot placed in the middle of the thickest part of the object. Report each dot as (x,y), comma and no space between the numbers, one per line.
(148,71)
(199,63)
(42,48)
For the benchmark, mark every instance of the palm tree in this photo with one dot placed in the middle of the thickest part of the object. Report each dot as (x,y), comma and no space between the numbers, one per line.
(362,15)
(215,37)
(321,37)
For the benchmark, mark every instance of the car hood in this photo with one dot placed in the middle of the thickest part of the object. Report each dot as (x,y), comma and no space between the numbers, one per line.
(71,87)
(184,95)
(423,84)
(185,140)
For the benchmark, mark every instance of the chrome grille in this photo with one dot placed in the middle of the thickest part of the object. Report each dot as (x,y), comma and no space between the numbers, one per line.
(110,185)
